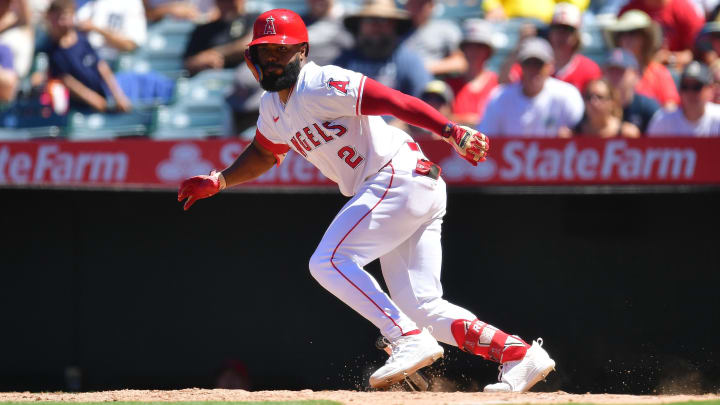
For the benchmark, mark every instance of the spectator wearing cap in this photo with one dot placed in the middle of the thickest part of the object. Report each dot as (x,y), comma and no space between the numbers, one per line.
(326,31)
(440,96)
(621,71)
(564,36)
(697,116)
(221,43)
(637,33)
(378,52)
(537,105)
(542,10)
(474,87)
(435,40)
(680,22)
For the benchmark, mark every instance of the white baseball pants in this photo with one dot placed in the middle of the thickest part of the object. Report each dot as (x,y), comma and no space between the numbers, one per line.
(395,216)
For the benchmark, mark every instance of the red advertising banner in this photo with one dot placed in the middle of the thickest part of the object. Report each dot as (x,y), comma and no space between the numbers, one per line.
(513,161)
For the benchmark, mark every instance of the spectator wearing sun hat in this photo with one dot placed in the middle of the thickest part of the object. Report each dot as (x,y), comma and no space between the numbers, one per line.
(474,87)
(697,116)
(564,36)
(637,33)
(378,52)
(680,22)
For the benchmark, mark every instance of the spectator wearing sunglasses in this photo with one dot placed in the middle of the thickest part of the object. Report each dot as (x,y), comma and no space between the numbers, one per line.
(697,116)
(603,113)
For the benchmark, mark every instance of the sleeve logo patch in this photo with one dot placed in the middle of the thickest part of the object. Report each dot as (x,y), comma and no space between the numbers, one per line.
(340,86)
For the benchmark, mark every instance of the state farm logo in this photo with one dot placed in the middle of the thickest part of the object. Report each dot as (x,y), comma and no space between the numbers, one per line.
(617,160)
(185,161)
(50,163)
(532,161)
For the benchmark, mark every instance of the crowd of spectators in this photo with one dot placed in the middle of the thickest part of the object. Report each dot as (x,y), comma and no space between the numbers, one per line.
(659,74)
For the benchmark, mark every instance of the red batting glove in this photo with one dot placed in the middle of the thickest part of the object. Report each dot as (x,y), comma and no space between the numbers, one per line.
(467,142)
(199,187)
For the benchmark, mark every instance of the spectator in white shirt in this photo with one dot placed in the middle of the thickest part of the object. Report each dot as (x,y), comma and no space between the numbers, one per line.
(537,105)
(697,116)
(113,26)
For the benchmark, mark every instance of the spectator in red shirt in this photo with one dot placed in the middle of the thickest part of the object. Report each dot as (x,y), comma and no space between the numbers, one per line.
(474,87)
(680,23)
(640,35)
(564,37)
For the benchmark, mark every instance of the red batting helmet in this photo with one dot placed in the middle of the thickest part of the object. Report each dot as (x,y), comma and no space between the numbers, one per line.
(279,26)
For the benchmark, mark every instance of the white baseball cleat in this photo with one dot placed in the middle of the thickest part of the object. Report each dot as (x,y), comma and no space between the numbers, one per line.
(409,354)
(521,375)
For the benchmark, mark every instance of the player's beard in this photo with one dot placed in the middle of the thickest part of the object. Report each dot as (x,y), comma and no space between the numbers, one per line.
(284,80)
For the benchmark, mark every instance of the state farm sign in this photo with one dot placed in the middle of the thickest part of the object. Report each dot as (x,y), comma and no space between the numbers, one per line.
(586,161)
(49,164)
(513,161)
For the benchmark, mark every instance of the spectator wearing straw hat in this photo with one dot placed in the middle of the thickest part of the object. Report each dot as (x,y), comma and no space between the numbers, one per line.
(637,33)
(697,116)
(680,22)
(437,41)
(378,52)
(564,36)
(538,105)
(474,87)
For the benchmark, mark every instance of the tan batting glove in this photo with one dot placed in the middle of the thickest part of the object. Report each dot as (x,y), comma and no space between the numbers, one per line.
(467,142)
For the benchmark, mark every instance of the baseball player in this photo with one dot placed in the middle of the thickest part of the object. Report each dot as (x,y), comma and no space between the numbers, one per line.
(331,117)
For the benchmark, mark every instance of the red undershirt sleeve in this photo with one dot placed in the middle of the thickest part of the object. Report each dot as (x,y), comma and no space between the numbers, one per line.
(378,99)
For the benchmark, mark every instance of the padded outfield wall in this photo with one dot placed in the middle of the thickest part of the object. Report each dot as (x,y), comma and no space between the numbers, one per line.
(132,292)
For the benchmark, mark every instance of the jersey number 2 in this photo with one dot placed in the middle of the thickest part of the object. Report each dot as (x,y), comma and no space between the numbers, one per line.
(348,154)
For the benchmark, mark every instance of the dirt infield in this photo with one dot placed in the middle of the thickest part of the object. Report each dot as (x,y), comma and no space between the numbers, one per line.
(353,397)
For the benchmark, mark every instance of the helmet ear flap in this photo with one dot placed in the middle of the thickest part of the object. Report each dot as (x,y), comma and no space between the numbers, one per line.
(250,59)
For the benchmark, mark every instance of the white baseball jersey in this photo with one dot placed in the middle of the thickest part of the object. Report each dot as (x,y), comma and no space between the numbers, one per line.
(395,213)
(322,122)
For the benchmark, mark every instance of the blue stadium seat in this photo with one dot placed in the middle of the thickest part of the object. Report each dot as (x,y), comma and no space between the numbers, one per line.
(162,51)
(457,9)
(184,121)
(102,126)
(207,87)
(28,119)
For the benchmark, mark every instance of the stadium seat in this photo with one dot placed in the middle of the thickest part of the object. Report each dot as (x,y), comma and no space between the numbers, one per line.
(457,9)
(29,119)
(163,50)
(207,87)
(186,121)
(102,126)
(200,109)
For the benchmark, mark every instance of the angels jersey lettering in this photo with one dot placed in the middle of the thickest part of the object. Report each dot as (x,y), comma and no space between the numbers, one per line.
(322,122)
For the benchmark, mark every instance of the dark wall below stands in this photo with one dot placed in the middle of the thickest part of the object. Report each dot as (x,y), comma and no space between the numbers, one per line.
(139,294)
